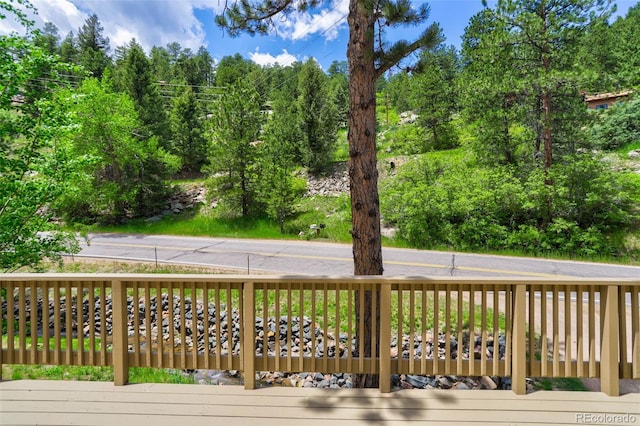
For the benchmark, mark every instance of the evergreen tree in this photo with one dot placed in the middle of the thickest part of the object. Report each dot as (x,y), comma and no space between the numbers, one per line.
(140,84)
(48,38)
(93,47)
(235,129)
(187,128)
(432,94)
(69,52)
(317,118)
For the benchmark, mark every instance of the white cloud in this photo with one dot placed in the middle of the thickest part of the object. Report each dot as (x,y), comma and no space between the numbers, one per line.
(325,22)
(266,59)
(150,22)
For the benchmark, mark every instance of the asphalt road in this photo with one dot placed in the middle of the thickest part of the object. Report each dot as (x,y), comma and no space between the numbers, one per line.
(321,258)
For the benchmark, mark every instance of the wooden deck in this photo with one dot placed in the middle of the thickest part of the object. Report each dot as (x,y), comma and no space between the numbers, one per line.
(100,403)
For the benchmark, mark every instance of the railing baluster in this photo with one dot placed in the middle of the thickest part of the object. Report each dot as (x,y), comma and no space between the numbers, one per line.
(11,323)
(22,325)
(412,319)
(579,332)
(567,332)
(447,331)
(33,314)
(44,288)
(92,322)
(325,328)
(205,325)
(483,333)
(622,318)
(301,327)
(218,345)
(172,333)
(635,325)
(374,322)
(400,331)
(289,345)
(436,330)
(472,326)
(103,323)
(423,331)
(337,332)
(350,325)
(136,323)
(459,336)
(194,325)
(508,328)
(80,321)
(230,326)
(361,329)
(159,325)
(265,334)
(183,328)
(592,333)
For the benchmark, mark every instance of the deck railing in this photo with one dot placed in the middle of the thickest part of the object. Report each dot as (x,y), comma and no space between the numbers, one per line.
(512,327)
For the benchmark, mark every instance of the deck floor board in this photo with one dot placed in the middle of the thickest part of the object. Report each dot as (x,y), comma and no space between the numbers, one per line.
(43,402)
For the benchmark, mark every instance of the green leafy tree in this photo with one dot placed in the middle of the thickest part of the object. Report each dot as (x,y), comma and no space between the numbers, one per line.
(35,162)
(367,62)
(236,130)
(125,177)
(616,127)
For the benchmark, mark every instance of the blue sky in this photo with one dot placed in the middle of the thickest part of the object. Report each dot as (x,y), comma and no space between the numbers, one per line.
(321,35)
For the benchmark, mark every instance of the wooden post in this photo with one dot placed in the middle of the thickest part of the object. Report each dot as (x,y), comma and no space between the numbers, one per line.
(519,354)
(248,339)
(385,336)
(120,334)
(609,365)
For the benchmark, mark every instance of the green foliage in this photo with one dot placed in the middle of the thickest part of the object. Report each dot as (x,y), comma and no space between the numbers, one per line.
(458,205)
(279,189)
(125,178)
(317,118)
(616,127)
(93,47)
(407,139)
(188,130)
(36,162)
(236,130)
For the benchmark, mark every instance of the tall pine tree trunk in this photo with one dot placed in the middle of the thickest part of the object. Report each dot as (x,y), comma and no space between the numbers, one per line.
(363,173)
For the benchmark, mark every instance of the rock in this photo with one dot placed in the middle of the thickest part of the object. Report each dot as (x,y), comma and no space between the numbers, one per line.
(634,154)
(487,382)
(461,386)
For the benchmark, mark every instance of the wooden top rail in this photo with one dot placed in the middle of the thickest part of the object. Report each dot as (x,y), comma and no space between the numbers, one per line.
(372,279)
